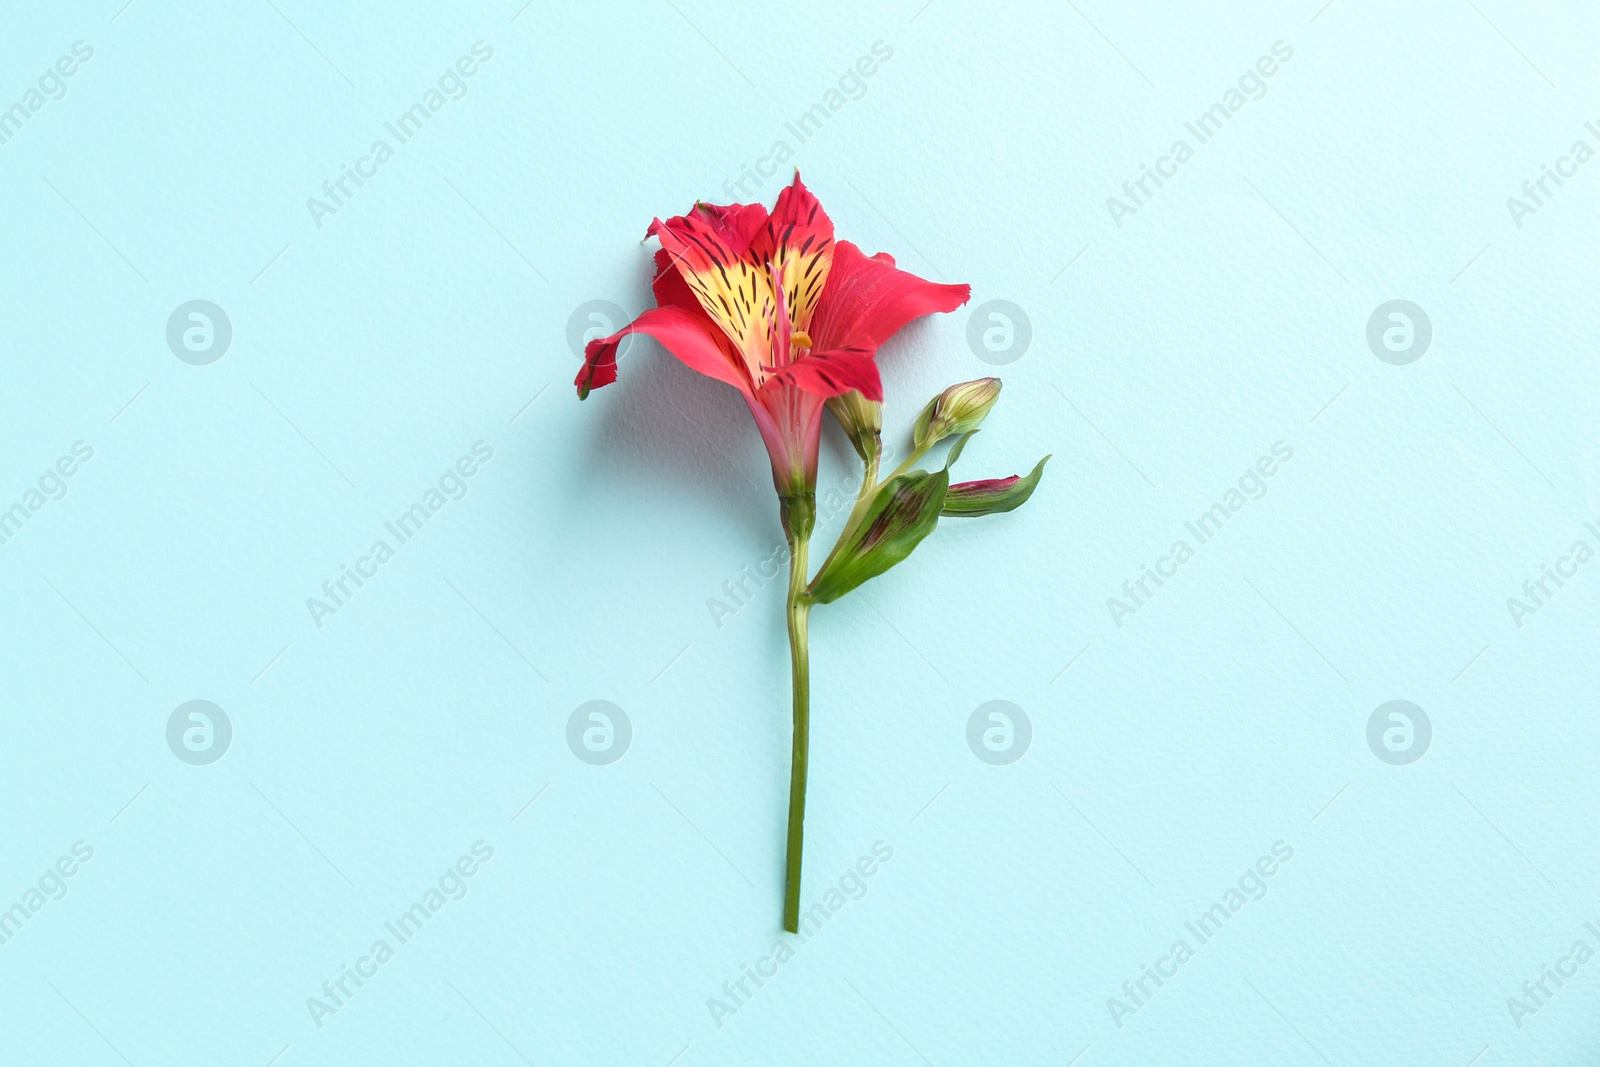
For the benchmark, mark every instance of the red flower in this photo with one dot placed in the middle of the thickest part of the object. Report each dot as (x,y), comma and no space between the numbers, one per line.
(773,306)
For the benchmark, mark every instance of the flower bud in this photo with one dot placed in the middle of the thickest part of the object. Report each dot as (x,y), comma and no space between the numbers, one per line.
(862,420)
(991,496)
(959,409)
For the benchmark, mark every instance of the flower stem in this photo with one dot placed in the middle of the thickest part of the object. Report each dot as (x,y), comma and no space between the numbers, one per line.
(916,454)
(869,472)
(798,517)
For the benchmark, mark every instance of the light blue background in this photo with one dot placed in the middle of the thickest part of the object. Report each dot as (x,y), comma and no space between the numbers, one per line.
(430,311)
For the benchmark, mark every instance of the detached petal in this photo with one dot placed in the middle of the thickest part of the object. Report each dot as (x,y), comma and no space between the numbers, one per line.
(828,374)
(867,300)
(683,332)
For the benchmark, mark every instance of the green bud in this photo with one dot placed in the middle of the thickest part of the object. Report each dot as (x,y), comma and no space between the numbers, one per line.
(862,420)
(991,496)
(959,409)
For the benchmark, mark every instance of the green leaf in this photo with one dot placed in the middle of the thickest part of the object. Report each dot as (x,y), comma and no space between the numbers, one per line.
(955,449)
(903,512)
(991,496)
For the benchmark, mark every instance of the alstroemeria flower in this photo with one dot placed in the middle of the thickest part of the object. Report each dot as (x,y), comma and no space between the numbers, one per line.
(773,306)
(770,304)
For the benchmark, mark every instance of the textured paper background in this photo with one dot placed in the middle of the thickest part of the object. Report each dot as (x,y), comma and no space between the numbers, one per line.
(1168,354)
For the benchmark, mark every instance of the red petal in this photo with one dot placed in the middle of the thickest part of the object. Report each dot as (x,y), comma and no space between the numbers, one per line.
(685,334)
(736,224)
(987,485)
(735,293)
(867,300)
(673,292)
(833,373)
(670,288)
(797,241)
(599,367)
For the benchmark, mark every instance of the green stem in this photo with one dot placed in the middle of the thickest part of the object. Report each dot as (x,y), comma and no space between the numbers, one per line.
(916,454)
(798,515)
(869,474)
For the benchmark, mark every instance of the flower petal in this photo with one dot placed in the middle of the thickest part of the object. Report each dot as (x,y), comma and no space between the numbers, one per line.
(867,300)
(732,290)
(684,333)
(671,290)
(790,421)
(736,224)
(797,243)
(834,373)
